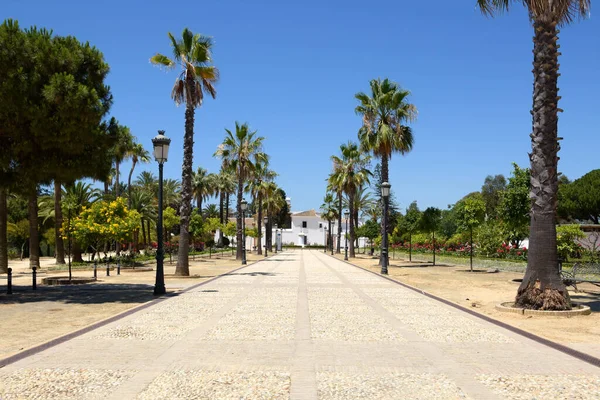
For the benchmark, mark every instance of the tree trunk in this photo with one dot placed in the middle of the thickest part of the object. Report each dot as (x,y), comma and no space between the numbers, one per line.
(226,207)
(106,189)
(238,238)
(199,204)
(183,263)
(149,232)
(258,224)
(221,217)
(410,247)
(433,235)
(384,178)
(339,232)
(129,185)
(34,239)
(117,179)
(3,231)
(77,252)
(59,247)
(144,235)
(351,238)
(542,287)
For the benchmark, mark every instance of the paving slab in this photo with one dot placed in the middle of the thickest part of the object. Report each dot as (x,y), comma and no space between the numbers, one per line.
(300,325)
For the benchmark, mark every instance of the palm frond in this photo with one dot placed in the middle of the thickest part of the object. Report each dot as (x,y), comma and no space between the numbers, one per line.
(162,60)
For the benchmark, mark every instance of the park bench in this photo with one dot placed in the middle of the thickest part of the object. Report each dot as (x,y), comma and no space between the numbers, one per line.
(582,272)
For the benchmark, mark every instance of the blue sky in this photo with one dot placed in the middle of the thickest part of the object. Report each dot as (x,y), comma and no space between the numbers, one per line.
(291,69)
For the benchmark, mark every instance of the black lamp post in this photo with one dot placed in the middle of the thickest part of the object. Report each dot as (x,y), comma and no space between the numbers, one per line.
(244,208)
(331,237)
(385,192)
(324,239)
(266,222)
(346,214)
(275,227)
(161,151)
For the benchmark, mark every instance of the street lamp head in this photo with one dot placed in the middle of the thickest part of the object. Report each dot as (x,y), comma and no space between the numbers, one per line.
(266,220)
(244,205)
(385,189)
(346,214)
(161,147)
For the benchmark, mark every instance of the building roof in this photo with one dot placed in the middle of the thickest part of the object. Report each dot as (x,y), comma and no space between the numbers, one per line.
(309,213)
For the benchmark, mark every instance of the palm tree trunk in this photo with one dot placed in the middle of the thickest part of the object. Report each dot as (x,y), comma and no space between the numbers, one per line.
(351,239)
(129,184)
(226,207)
(542,287)
(238,254)
(144,235)
(258,224)
(3,231)
(34,239)
(385,174)
(149,231)
(183,263)
(106,189)
(199,204)
(58,220)
(117,179)
(339,232)
(221,217)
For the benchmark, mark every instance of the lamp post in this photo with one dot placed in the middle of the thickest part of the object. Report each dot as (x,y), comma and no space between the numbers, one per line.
(324,239)
(331,237)
(346,214)
(244,208)
(161,152)
(266,221)
(385,192)
(275,226)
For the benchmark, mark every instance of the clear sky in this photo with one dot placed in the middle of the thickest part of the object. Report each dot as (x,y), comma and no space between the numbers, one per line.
(291,69)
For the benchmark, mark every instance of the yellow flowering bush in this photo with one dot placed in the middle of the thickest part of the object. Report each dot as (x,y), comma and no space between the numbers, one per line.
(104,221)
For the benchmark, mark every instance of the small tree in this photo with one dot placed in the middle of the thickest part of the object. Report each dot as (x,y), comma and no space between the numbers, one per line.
(471,213)
(409,223)
(566,240)
(515,205)
(429,223)
(369,230)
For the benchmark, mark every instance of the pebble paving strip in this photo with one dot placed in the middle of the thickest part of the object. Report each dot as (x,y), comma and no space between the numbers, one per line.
(431,321)
(526,387)
(217,384)
(266,314)
(339,314)
(173,318)
(387,385)
(60,383)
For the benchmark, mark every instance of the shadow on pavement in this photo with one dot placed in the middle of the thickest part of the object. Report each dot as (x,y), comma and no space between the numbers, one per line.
(80,294)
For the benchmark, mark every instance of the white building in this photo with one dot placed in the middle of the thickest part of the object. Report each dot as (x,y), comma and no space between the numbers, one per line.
(308,228)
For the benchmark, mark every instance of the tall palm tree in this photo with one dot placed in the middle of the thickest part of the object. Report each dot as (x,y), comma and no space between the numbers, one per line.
(337,187)
(147,181)
(240,151)
(210,211)
(383,132)
(542,287)
(261,175)
(200,186)
(122,148)
(193,54)
(330,213)
(351,174)
(171,193)
(137,154)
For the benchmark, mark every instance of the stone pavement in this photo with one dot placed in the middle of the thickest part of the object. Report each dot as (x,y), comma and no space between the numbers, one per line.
(300,325)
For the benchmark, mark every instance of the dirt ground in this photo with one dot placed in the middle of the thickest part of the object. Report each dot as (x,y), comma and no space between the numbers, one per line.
(482,291)
(30,318)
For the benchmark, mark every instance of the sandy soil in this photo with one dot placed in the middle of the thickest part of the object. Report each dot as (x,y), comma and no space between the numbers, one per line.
(32,317)
(482,291)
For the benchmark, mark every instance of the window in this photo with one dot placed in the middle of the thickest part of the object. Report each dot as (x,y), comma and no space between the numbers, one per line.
(304,224)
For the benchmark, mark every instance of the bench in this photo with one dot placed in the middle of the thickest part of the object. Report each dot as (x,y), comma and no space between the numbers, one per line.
(582,272)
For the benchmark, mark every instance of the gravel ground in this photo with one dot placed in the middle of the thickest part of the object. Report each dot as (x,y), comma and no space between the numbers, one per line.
(60,383)
(222,385)
(392,386)
(530,387)
(266,314)
(433,321)
(339,314)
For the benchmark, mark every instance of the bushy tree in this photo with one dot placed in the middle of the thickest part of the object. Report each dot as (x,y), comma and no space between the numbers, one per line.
(580,199)
(515,205)
(430,222)
(471,213)
(567,237)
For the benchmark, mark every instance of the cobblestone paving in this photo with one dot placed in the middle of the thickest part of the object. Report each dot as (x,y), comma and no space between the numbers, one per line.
(300,325)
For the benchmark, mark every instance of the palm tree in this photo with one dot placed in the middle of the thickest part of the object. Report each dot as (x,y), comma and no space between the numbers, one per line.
(542,287)
(273,202)
(383,132)
(210,211)
(77,196)
(350,174)
(147,181)
(122,148)
(329,213)
(337,187)
(143,202)
(171,193)
(240,152)
(257,186)
(193,54)
(363,201)
(200,186)
(137,154)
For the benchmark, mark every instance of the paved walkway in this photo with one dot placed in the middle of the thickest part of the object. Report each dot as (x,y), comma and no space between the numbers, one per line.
(300,325)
